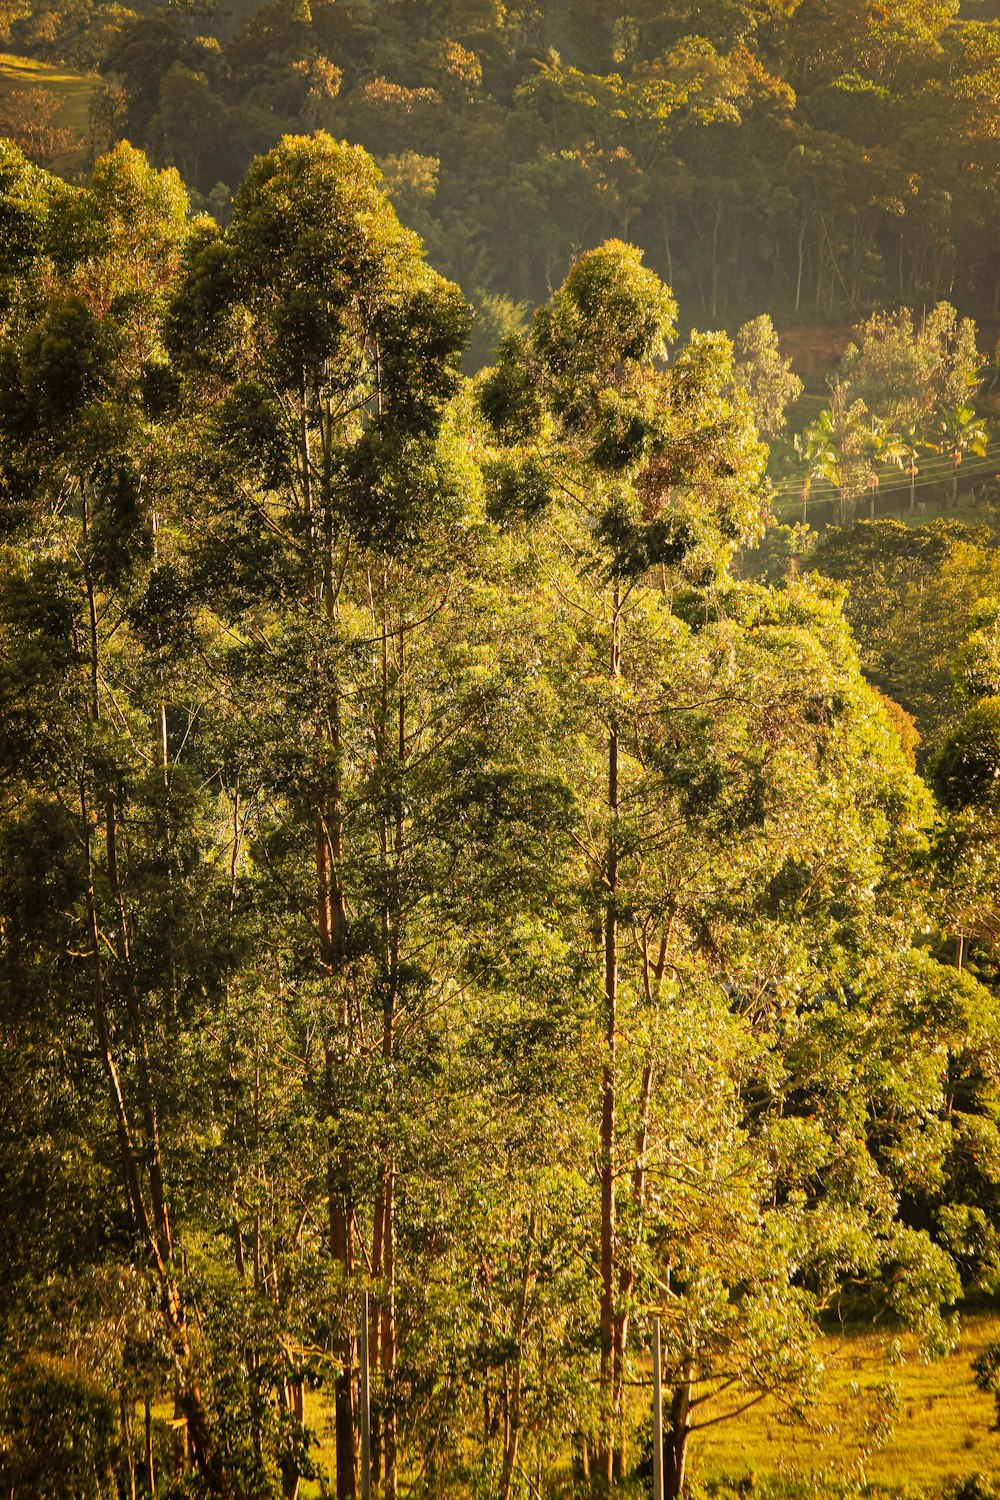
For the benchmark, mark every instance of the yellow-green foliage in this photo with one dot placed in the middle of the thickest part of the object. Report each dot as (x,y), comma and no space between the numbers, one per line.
(941,1431)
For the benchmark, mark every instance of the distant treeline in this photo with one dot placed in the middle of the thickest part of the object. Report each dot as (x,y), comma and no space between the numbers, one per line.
(808,158)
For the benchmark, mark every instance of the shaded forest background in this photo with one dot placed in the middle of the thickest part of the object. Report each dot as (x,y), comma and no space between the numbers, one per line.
(811,160)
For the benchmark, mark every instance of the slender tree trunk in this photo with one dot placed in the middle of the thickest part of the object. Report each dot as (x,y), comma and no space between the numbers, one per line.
(128,1438)
(676,1444)
(627,1271)
(341,1248)
(653,969)
(189,1399)
(126,1149)
(610,1078)
(332,924)
(392,747)
(293,1398)
(389,1343)
(150,1116)
(153,1229)
(150,1467)
(513,1422)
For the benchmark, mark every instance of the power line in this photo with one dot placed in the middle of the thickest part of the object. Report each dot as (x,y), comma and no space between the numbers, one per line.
(986,467)
(937,466)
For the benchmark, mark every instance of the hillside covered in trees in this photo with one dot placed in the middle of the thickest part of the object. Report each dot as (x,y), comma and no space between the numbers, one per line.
(804,159)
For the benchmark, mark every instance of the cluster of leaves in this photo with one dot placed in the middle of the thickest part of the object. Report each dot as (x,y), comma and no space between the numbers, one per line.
(425,870)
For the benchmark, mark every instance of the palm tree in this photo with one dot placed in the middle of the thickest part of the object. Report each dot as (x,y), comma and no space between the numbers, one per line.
(961,430)
(910,445)
(879,445)
(832,448)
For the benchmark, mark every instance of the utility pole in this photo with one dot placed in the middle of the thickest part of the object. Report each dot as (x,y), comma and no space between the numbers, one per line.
(657,1413)
(366,1426)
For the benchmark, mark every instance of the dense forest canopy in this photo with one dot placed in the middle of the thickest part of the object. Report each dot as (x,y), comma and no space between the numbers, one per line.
(802,158)
(429,868)
(466,841)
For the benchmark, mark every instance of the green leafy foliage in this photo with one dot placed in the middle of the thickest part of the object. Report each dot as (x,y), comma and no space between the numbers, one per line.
(428,871)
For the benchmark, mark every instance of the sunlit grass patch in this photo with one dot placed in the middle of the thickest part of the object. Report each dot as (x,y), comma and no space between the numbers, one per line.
(74,90)
(942,1431)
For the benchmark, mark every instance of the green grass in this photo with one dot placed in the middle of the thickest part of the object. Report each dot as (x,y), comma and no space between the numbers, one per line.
(941,1434)
(74,90)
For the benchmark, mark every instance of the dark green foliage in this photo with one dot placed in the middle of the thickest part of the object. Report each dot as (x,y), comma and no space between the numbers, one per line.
(392,486)
(251,421)
(65,363)
(635,547)
(817,166)
(420,347)
(518,490)
(967,771)
(508,395)
(58,1432)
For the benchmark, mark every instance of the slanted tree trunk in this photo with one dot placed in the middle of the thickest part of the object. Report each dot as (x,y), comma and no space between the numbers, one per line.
(152,1226)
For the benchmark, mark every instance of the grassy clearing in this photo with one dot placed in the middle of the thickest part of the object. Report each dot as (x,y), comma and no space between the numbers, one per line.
(941,1433)
(73,90)
(942,1430)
